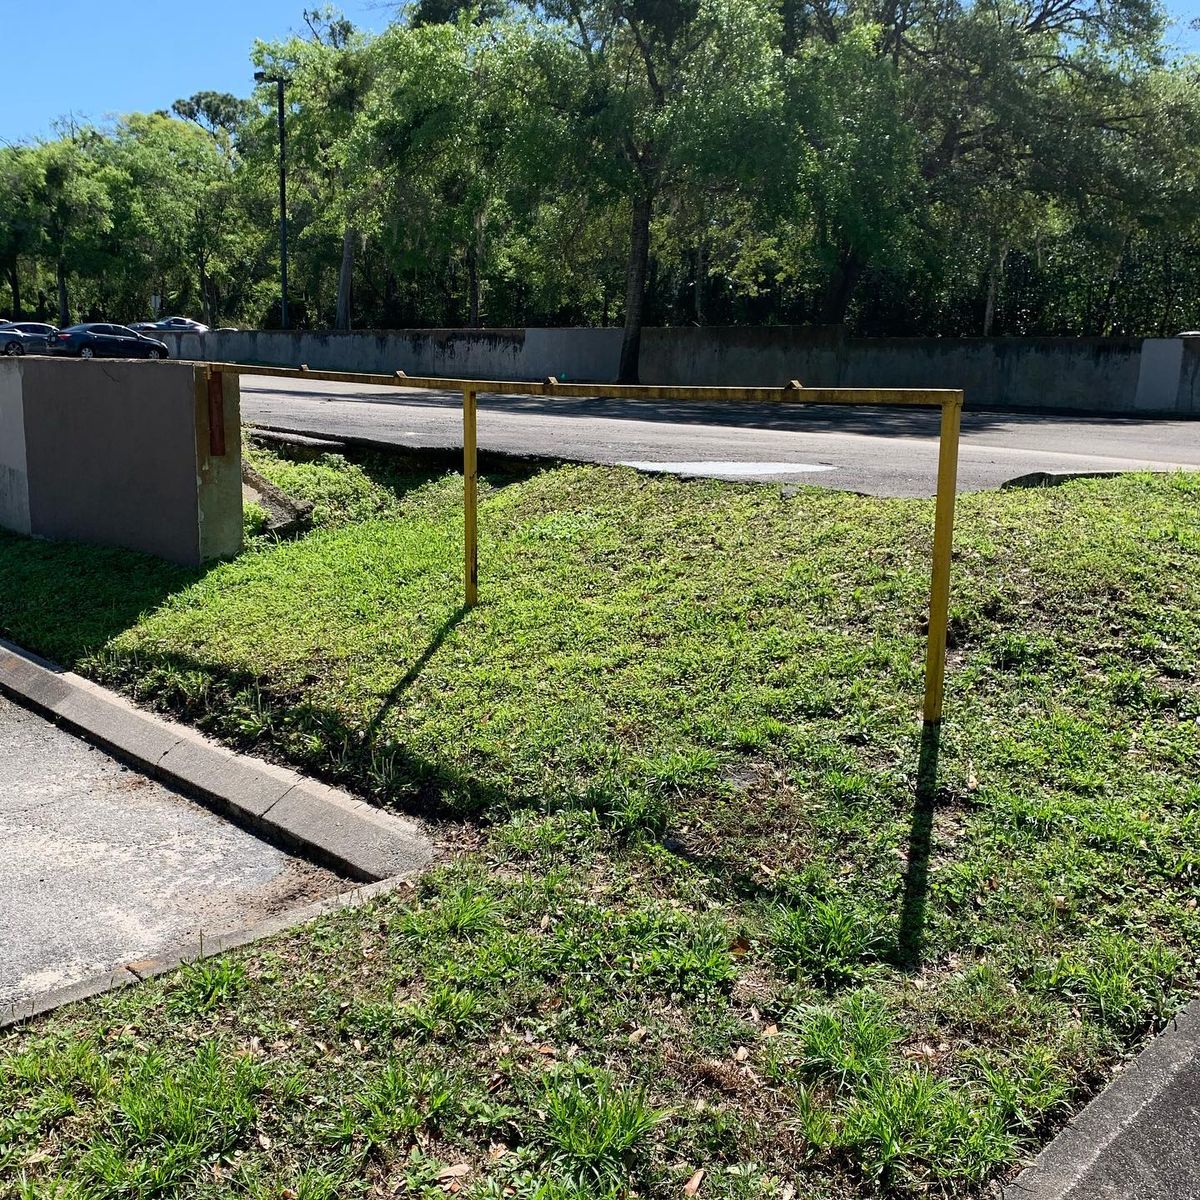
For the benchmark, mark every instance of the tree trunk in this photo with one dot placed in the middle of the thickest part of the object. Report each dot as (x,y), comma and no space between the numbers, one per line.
(64,317)
(1169,288)
(1103,321)
(635,287)
(701,281)
(840,288)
(472,287)
(14,283)
(475,270)
(205,299)
(995,271)
(345,279)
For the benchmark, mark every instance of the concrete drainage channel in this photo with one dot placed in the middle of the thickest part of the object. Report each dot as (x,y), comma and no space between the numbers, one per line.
(358,851)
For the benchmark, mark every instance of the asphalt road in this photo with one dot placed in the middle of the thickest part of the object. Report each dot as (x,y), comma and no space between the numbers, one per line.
(886,452)
(103,866)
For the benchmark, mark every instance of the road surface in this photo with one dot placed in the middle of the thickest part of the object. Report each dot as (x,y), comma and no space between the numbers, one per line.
(885,452)
(103,866)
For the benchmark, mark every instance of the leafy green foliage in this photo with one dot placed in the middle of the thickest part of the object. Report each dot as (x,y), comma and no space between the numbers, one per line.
(595,1129)
(826,937)
(393,1106)
(938,169)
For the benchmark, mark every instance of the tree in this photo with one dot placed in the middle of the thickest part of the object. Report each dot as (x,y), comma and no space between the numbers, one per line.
(665,95)
(72,190)
(218,113)
(856,165)
(20,231)
(330,73)
(901,166)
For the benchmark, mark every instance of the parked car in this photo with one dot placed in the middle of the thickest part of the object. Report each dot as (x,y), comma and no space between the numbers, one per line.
(111,341)
(25,337)
(171,325)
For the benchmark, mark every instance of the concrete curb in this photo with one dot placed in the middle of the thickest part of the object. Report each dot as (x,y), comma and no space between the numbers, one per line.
(327,826)
(201,945)
(1139,1138)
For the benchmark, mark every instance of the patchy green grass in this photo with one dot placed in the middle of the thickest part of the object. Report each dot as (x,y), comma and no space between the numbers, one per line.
(699,920)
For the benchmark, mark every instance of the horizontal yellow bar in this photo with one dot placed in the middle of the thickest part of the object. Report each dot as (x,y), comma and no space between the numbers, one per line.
(896,397)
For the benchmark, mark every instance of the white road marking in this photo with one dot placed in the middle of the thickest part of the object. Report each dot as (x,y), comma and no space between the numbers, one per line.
(729,470)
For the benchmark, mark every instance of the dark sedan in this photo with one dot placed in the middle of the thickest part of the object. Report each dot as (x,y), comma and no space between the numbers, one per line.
(109,341)
(25,337)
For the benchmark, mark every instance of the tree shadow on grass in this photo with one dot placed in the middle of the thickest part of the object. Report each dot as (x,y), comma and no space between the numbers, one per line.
(414,672)
(69,601)
(254,716)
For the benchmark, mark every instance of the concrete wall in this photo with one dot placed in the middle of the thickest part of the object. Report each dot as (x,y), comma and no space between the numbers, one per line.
(474,353)
(14,479)
(1187,398)
(119,453)
(1106,375)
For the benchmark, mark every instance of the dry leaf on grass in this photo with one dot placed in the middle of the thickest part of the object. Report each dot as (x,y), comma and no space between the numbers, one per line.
(693,1185)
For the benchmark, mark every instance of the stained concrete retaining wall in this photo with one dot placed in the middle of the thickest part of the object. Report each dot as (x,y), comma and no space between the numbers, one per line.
(1103,375)
(467,353)
(120,453)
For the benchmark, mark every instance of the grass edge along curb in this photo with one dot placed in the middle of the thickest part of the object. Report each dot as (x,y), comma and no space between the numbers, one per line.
(1138,1136)
(191,950)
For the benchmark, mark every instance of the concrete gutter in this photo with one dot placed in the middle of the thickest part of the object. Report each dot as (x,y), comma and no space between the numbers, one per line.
(1139,1138)
(323,824)
(327,826)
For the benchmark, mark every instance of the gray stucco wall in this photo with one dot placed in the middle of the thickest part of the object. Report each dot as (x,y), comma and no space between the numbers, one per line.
(118,453)
(474,353)
(1087,375)
(1116,375)
(1187,400)
(14,478)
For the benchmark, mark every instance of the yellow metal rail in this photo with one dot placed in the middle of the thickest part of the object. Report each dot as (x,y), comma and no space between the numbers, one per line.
(950,402)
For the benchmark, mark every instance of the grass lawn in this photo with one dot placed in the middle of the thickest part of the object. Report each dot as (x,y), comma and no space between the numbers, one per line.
(694,918)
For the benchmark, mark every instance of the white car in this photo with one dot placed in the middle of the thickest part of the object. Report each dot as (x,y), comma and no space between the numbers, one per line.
(170,325)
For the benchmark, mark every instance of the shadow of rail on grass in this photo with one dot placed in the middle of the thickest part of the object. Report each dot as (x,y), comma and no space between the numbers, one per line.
(254,715)
(413,673)
(910,930)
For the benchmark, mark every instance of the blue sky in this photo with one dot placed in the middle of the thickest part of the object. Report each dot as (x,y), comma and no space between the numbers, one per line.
(102,58)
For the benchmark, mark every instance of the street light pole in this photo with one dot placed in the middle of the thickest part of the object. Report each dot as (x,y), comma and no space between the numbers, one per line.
(279,81)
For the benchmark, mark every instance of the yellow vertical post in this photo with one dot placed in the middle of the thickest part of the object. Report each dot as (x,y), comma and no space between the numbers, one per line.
(943,544)
(470,500)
